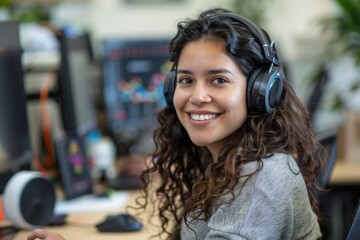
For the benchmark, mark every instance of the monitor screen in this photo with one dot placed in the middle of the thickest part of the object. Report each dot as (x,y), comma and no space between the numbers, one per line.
(73,166)
(15,147)
(76,88)
(133,75)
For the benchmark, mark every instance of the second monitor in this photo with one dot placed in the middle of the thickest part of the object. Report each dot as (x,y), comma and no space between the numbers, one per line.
(134,71)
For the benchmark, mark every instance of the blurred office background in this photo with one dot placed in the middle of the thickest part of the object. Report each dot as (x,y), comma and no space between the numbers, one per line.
(298,27)
(319,44)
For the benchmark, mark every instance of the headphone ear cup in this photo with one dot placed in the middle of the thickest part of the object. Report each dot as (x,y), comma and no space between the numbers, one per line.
(251,105)
(169,88)
(264,90)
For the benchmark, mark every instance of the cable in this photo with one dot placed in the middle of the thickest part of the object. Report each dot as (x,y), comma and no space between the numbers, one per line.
(46,163)
(8,232)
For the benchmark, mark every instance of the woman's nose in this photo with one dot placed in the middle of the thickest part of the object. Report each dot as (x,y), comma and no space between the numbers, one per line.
(200,94)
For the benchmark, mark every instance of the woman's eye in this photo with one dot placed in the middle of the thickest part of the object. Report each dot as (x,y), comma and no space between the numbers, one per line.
(219,80)
(184,81)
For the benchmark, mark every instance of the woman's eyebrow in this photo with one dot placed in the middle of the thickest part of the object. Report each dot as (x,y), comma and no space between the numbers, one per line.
(184,71)
(214,71)
(221,70)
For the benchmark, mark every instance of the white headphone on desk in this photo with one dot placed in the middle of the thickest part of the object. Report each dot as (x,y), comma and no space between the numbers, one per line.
(28,200)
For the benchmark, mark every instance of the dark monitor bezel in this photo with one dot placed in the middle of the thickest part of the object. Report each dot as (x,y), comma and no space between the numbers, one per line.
(65,92)
(14,100)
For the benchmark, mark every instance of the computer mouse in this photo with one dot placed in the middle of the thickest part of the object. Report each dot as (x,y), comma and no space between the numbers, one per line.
(119,223)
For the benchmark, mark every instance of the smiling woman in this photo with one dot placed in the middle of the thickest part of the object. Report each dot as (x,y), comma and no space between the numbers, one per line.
(235,156)
(248,159)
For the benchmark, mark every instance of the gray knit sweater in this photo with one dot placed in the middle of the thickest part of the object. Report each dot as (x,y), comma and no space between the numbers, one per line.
(273,204)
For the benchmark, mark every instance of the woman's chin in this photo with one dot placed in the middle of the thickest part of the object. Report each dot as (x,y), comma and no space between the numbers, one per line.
(200,142)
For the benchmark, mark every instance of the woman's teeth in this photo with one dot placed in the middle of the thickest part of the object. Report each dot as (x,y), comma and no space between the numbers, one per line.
(202,117)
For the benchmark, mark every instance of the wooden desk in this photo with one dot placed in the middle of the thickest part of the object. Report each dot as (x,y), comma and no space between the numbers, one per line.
(76,231)
(345,173)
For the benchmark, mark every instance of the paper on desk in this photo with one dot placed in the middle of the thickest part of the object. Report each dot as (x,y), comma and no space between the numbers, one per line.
(92,203)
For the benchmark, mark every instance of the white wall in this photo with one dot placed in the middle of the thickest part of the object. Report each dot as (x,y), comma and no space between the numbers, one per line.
(117,18)
(293,24)
(289,22)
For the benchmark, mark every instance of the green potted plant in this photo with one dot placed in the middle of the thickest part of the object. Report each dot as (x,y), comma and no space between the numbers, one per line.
(345,29)
(4,3)
(342,53)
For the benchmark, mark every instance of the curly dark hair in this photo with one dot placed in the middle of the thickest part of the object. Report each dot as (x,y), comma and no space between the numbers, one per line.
(188,181)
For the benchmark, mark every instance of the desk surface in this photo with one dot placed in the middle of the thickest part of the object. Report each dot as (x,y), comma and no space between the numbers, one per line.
(82,227)
(345,173)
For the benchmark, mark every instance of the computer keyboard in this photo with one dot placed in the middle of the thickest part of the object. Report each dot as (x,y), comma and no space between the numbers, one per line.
(92,203)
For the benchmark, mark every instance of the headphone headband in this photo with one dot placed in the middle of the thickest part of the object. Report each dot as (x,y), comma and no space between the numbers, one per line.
(269,48)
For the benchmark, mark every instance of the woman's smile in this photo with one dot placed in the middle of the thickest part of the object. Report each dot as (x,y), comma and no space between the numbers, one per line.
(202,117)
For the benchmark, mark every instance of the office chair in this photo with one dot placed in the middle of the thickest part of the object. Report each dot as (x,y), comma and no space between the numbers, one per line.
(328,140)
(354,232)
(330,203)
(321,80)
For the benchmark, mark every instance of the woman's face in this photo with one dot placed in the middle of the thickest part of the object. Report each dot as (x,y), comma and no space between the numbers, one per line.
(210,95)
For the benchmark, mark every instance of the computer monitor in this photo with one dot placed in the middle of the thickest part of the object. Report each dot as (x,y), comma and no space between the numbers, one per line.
(134,71)
(73,166)
(76,86)
(15,146)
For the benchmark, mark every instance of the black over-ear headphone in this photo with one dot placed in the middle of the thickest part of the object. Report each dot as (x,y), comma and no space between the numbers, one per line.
(265,83)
